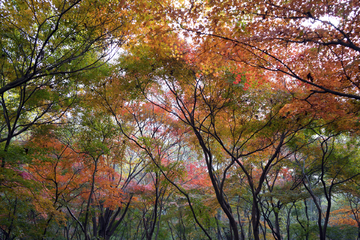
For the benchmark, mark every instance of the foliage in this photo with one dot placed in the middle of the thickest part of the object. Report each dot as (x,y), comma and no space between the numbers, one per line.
(179,119)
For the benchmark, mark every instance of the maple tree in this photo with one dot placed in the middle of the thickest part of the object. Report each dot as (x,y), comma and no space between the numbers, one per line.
(56,38)
(156,134)
(318,178)
(354,209)
(206,101)
(216,120)
(80,172)
(196,99)
(313,42)
(47,51)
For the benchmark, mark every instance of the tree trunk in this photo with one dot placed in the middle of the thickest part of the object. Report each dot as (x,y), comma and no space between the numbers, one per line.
(255,214)
(277,224)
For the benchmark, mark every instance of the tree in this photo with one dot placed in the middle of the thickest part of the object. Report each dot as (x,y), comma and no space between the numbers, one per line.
(160,137)
(219,120)
(46,51)
(353,209)
(309,42)
(230,123)
(107,171)
(44,42)
(324,164)
(83,174)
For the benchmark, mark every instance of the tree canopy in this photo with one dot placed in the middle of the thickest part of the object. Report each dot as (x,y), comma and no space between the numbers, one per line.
(179,119)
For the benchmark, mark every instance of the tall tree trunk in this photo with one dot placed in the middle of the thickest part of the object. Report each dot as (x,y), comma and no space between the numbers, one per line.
(255,219)
(277,224)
